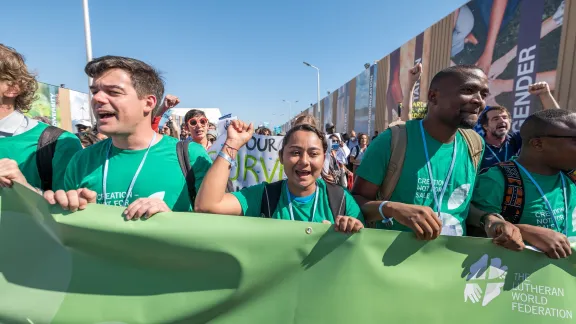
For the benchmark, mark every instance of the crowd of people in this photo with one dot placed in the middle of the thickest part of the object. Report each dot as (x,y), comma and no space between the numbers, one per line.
(432,176)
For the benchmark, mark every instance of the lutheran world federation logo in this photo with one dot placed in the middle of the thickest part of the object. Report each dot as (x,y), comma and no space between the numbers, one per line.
(485,280)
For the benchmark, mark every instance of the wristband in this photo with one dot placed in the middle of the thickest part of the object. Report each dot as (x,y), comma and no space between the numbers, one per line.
(385,220)
(227,158)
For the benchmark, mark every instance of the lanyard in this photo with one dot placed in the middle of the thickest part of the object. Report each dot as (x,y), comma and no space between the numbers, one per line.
(496,156)
(105,177)
(547,202)
(290,203)
(438,199)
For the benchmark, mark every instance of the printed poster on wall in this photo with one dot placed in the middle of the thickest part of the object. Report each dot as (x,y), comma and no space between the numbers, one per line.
(525,50)
(327,102)
(79,107)
(342,109)
(365,101)
(45,107)
(401,61)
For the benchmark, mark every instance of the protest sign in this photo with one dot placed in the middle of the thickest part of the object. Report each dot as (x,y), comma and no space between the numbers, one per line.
(257,160)
(419,110)
(94,267)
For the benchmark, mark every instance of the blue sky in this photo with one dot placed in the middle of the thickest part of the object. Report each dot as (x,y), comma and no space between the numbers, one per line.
(243,57)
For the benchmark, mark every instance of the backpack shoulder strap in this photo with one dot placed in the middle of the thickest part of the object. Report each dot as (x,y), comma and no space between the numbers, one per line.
(397,154)
(45,153)
(336,199)
(474,143)
(513,201)
(184,161)
(270,198)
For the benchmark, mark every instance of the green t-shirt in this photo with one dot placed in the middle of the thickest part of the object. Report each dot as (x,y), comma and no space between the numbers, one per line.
(22,148)
(490,192)
(414,184)
(161,176)
(250,199)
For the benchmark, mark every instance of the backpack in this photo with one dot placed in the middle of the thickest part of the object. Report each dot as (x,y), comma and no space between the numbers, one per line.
(184,161)
(45,154)
(398,152)
(513,201)
(273,191)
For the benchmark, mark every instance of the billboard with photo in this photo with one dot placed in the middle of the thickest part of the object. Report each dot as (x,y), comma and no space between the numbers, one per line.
(365,101)
(342,107)
(79,107)
(327,106)
(516,42)
(45,106)
(415,51)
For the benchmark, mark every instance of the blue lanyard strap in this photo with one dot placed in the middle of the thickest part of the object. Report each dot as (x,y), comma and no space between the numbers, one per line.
(505,152)
(105,177)
(290,203)
(547,202)
(438,199)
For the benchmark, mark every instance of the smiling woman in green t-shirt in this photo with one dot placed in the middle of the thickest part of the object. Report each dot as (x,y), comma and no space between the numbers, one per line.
(304,196)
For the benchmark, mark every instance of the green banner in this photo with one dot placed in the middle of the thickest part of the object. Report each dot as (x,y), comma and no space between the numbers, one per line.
(94,267)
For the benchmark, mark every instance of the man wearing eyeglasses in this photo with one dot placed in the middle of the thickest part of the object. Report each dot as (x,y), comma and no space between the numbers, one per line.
(197,124)
(135,167)
(495,123)
(535,191)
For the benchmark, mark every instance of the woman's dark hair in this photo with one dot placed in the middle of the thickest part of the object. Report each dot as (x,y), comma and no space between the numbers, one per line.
(306,128)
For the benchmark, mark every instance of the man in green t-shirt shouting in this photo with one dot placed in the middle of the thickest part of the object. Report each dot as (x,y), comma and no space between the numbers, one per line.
(135,167)
(535,191)
(432,196)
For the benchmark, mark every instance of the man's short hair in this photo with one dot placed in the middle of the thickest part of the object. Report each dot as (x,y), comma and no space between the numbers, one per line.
(483,120)
(13,69)
(193,113)
(543,122)
(145,79)
(452,71)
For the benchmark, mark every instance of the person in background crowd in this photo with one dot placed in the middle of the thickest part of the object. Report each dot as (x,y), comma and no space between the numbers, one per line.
(20,135)
(547,214)
(375,135)
(330,128)
(169,102)
(337,170)
(304,195)
(169,130)
(211,136)
(124,169)
(264,131)
(429,178)
(357,152)
(211,126)
(87,139)
(496,122)
(197,124)
(83,126)
(353,141)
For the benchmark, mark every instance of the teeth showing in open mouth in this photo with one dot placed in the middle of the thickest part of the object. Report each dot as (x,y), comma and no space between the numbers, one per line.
(303,173)
(105,115)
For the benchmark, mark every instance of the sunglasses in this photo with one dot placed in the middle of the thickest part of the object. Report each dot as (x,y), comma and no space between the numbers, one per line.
(195,121)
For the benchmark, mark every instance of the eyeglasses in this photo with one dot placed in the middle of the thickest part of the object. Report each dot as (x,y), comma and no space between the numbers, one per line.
(194,121)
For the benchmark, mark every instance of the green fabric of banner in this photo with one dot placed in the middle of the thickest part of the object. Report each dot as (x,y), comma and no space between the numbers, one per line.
(94,267)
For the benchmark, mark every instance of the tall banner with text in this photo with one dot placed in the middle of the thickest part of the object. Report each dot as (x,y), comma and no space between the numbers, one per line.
(45,107)
(365,101)
(92,266)
(524,51)
(342,107)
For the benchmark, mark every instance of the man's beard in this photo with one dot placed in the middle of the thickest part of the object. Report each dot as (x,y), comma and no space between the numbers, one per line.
(467,123)
(499,135)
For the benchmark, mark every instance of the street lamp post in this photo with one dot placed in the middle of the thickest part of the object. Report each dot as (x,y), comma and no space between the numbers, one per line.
(88,39)
(290,110)
(318,85)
